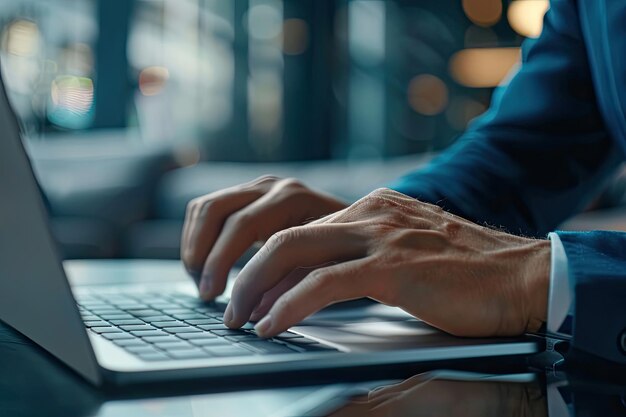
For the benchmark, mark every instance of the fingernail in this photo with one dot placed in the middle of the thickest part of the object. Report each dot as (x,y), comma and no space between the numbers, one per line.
(228,314)
(264,326)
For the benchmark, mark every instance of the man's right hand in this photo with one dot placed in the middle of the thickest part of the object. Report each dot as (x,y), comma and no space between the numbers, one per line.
(221,226)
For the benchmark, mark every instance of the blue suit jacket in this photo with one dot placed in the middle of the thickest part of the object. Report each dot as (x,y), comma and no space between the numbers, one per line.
(542,152)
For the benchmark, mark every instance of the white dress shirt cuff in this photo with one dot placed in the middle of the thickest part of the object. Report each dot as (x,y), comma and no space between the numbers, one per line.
(560,297)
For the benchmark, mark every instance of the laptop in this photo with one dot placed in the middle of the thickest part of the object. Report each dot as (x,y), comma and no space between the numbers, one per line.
(129,332)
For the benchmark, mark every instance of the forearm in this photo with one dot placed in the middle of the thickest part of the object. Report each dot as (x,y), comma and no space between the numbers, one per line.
(489,181)
(540,153)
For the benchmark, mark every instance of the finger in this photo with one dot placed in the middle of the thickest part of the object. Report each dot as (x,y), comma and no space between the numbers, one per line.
(205,224)
(185,254)
(272,295)
(321,288)
(205,221)
(303,246)
(256,222)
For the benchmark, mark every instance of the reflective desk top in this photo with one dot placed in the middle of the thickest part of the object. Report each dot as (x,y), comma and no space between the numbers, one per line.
(33,384)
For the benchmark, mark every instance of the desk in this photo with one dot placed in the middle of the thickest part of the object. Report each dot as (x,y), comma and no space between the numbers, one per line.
(33,384)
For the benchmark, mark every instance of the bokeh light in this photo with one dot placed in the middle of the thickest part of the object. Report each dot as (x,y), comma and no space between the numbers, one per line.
(23,45)
(22,38)
(264,22)
(295,36)
(483,12)
(366,31)
(483,67)
(72,100)
(427,94)
(526,16)
(152,80)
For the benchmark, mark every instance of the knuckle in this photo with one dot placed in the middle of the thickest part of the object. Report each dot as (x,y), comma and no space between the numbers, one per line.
(216,206)
(389,196)
(383,192)
(320,279)
(451,228)
(379,198)
(238,220)
(208,206)
(278,241)
(290,187)
(282,238)
(190,206)
(265,179)
(291,183)
(370,202)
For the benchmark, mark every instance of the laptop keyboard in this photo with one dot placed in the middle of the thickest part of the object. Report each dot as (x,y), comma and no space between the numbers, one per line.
(158,327)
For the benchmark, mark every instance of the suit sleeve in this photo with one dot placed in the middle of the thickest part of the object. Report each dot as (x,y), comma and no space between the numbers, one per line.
(597,278)
(540,153)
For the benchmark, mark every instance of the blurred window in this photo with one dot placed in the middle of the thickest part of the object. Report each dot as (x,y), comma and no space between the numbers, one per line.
(263,80)
(48,64)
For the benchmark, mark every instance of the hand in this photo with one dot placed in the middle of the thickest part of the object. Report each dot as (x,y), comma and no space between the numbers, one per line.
(221,226)
(463,278)
(423,396)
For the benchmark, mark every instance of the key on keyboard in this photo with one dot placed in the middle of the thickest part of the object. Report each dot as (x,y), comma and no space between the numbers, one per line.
(156,328)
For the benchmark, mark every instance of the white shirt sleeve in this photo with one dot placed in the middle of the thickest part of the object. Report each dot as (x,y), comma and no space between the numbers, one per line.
(560,296)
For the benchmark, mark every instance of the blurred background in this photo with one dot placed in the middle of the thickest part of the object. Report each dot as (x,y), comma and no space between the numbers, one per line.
(133,107)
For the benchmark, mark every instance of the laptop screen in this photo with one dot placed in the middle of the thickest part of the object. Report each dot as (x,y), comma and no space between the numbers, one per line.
(36,297)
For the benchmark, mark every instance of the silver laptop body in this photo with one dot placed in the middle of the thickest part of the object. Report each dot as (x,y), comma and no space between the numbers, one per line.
(37,300)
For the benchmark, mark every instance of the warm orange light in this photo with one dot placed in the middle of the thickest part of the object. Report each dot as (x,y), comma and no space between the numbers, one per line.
(483,67)
(22,38)
(152,80)
(427,94)
(295,36)
(483,12)
(526,16)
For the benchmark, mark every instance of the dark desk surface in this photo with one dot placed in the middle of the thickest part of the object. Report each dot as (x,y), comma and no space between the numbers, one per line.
(33,384)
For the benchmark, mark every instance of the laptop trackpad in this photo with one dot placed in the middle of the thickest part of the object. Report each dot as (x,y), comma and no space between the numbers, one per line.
(376,328)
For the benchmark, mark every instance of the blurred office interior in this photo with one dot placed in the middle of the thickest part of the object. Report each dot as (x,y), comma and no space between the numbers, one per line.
(132,107)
